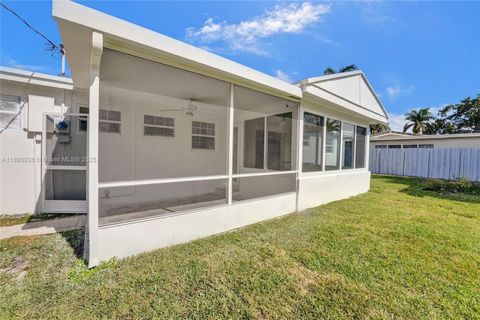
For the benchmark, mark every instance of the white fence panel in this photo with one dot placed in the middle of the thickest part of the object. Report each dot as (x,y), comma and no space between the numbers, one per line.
(448,163)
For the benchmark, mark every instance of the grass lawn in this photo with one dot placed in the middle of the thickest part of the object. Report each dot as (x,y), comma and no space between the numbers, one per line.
(395,252)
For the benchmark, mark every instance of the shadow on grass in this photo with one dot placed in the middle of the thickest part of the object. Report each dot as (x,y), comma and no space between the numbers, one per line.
(76,240)
(418,187)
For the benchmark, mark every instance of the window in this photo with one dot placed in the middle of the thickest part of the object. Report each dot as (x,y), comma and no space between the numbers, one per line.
(381,146)
(158,126)
(203,135)
(312,142)
(10,112)
(409,146)
(332,147)
(348,145)
(360,141)
(110,121)
(426,146)
(82,120)
(394,146)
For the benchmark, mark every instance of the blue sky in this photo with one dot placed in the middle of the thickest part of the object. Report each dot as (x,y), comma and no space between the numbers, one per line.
(415,54)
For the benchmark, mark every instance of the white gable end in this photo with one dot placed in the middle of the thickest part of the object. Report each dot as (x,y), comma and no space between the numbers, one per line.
(350,89)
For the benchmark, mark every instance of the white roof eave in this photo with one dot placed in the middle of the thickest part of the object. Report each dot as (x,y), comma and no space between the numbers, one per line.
(315,94)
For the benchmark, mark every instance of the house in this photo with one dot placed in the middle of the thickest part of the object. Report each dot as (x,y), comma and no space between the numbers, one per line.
(399,140)
(161,142)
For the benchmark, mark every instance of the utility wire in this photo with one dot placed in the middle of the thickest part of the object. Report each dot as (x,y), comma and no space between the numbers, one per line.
(50,45)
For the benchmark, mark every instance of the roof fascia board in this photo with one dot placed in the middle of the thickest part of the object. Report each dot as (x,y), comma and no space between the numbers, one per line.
(426,137)
(35,78)
(326,101)
(123,30)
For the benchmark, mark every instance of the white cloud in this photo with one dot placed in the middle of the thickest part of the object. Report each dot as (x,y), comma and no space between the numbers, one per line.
(396,121)
(396,90)
(283,76)
(245,36)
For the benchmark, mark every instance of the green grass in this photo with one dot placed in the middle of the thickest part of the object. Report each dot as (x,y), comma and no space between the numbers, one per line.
(396,252)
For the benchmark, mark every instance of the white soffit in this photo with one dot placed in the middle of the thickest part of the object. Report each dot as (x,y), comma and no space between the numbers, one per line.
(350,90)
(76,23)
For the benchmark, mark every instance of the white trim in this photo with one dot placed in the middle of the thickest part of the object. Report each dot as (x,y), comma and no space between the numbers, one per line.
(71,168)
(399,136)
(96,51)
(259,174)
(145,182)
(35,78)
(230,128)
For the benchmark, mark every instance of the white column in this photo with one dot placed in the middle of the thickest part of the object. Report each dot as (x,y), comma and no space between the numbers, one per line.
(341,146)
(299,148)
(230,145)
(92,147)
(367,148)
(324,142)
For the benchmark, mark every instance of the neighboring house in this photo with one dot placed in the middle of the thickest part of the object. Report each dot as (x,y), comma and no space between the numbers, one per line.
(161,142)
(399,140)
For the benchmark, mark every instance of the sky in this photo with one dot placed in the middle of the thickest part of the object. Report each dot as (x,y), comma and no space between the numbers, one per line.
(415,54)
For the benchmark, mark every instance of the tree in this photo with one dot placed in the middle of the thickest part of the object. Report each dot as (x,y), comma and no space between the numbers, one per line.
(348,68)
(417,120)
(379,128)
(463,117)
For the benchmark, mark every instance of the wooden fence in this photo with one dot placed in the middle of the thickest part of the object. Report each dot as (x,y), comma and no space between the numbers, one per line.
(449,163)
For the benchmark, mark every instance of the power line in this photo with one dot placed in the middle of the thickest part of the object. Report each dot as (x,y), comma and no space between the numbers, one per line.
(50,45)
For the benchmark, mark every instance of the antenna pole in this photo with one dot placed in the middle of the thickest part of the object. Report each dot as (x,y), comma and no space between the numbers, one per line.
(62,52)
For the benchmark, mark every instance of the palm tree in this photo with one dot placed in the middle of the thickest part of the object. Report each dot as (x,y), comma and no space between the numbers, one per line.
(379,128)
(348,68)
(417,120)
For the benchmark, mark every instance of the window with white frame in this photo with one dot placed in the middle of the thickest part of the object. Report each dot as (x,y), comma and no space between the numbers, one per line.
(10,112)
(203,135)
(158,126)
(110,121)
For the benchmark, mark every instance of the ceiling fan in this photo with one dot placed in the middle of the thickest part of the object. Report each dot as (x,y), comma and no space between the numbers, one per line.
(190,108)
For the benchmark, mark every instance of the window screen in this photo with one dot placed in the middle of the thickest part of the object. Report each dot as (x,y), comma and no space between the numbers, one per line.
(360,145)
(312,142)
(348,145)
(332,146)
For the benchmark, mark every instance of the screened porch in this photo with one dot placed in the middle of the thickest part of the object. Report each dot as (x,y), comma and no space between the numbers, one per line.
(172,141)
